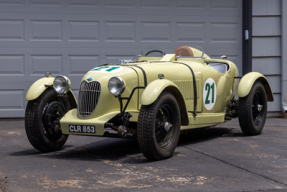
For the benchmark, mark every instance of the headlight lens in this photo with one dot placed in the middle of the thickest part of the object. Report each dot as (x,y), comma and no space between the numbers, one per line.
(61,84)
(116,86)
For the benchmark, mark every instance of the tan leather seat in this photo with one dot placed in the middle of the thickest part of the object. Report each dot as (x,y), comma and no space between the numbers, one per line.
(184,51)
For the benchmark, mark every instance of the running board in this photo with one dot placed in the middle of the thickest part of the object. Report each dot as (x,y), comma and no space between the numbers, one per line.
(204,120)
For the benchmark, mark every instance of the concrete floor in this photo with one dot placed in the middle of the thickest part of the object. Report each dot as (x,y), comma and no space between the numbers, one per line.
(214,159)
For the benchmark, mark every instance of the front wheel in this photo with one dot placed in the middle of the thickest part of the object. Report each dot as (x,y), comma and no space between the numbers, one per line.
(159,127)
(252,110)
(41,122)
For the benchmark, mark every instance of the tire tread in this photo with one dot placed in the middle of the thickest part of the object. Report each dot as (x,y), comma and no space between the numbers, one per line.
(34,130)
(145,130)
(245,114)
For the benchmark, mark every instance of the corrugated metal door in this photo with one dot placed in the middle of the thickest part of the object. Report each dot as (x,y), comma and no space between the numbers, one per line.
(70,37)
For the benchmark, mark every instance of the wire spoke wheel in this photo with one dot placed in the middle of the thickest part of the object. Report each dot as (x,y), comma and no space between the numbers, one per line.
(159,127)
(257,108)
(164,130)
(52,112)
(252,110)
(42,119)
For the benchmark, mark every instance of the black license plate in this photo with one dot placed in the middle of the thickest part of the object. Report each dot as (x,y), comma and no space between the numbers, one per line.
(82,129)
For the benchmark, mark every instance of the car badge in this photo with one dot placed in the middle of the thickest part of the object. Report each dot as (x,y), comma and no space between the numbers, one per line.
(90,78)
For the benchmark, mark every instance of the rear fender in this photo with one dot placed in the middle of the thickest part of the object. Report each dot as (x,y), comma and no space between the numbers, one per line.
(248,81)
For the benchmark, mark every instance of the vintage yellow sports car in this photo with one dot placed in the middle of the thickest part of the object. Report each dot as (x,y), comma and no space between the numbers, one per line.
(153,99)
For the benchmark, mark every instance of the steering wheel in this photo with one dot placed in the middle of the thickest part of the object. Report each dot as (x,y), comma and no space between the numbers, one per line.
(154,51)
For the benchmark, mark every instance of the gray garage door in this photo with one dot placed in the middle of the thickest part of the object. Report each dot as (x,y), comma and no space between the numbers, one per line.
(70,37)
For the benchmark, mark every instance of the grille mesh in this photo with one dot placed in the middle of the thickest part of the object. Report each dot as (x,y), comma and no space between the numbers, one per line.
(89,95)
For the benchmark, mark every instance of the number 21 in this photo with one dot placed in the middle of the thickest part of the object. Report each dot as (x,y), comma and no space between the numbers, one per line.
(207,88)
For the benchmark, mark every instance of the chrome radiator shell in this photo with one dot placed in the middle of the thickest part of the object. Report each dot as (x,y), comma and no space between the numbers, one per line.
(89,94)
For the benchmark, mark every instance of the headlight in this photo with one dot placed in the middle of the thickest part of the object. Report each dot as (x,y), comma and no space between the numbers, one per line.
(116,86)
(61,84)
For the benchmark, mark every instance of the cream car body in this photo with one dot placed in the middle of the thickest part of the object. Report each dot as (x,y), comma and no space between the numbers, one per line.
(205,94)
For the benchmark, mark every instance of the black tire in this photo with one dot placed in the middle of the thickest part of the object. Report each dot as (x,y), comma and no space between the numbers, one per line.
(40,115)
(156,139)
(252,110)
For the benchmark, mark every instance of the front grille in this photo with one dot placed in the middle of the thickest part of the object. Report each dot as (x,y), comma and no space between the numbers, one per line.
(89,95)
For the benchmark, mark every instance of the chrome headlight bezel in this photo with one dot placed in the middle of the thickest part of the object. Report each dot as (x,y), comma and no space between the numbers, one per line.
(61,84)
(116,86)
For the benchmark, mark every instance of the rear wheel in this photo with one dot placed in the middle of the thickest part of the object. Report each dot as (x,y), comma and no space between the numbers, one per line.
(41,117)
(159,127)
(252,110)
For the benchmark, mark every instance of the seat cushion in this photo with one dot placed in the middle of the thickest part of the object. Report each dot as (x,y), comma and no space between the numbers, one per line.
(184,51)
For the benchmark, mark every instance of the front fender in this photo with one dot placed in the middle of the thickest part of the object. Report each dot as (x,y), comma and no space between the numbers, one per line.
(154,89)
(38,87)
(247,82)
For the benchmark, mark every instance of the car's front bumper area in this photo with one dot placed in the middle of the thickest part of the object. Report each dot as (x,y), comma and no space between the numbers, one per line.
(71,118)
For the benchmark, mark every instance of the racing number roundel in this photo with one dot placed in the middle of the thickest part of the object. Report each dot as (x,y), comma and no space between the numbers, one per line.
(209,93)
